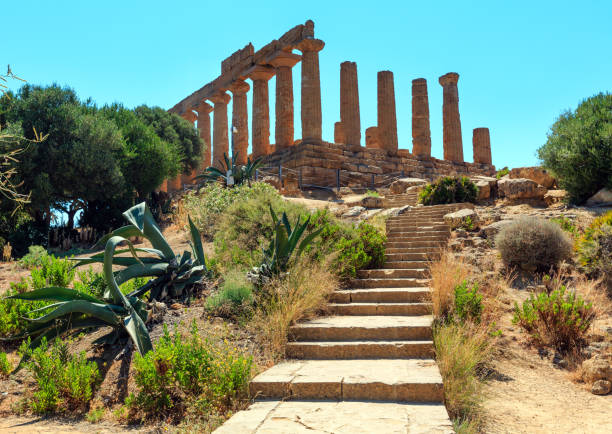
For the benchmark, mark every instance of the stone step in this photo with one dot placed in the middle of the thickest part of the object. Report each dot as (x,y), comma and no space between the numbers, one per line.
(388,283)
(406,264)
(339,417)
(426,250)
(404,238)
(381,295)
(360,350)
(420,228)
(411,244)
(409,256)
(416,232)
(348,328)
(380,308)
(393,273)
(401,380)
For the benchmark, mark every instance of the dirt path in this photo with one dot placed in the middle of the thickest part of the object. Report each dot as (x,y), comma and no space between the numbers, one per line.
(43,425)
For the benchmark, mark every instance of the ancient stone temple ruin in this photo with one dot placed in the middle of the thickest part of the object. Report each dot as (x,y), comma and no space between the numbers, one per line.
(311,160)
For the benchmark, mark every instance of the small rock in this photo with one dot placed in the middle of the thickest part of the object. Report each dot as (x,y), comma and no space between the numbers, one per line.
(554,196)
(595,369)
(601,387)
(602,198)
(354,211)
(461,233)
(460,218)
(372,202)
(176,306)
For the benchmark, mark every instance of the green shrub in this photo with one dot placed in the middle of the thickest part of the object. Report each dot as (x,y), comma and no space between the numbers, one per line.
(34,257)
(502,172)
(372,193)
(533,244)
(13,311)
(5,365)
(187,374)
(235,296)
(52,272)
(365,250)
(560,319)
(579,148)
(566,224)
(468,303)
(64,382)
(595,249)
(449,190)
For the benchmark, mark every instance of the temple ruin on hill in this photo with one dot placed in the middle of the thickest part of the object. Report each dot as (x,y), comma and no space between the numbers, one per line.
(318,162)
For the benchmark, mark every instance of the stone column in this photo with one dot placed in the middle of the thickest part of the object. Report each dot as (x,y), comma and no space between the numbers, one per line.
(421,135)
(240,121)
(204,110)
(261,110)
(482,146)
(372,138)
(220,139)
(387,120)
(339,133)
(349,103)
(311,89)
(185,178)
(453,145)
(283,62)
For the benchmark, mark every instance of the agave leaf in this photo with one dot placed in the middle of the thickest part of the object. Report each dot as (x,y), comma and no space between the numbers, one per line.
(97,310)
(196,239)
(124,231)
(307,240)
(140,216)
(140,270)
(287,224)
(273,214)
(124,261)
(55,293)
(113,290)
(138,332)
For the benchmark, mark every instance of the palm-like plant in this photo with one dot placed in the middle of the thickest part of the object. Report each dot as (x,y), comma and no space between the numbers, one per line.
(172,275)
(230,173)
(283,245)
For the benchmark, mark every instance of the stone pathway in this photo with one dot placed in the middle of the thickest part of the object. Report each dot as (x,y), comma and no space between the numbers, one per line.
(399,200)
(369,367)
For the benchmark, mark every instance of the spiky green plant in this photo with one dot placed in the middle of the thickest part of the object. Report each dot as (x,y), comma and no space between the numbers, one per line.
(230,173)
(283,245)
(172,275)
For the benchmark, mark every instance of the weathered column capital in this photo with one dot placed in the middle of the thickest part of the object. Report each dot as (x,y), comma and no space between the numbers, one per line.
(239,87)
(220,98)
(189,115)
(204,108)
(260,72)
(284,59)
(310,44)
(449,78)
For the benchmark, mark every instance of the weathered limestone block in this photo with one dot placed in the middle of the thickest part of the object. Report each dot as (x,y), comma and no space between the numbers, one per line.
(461,218)
(602,198)
(204,110)
(354,212)
(452,141)
(487,186)
(371,202)
(481,141)
(490,231)
(339,135)
(261,110)
(240,122)
(373,138)
(220,138)
(284,62)
(349,103)
(421,135)
(596,368)
(554,196)
(537,174)
(520,188)
(400,186)
(387,119)
(311,89)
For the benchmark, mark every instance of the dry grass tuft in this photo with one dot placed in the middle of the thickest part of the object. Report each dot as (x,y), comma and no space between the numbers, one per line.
(301,294)
(446,274)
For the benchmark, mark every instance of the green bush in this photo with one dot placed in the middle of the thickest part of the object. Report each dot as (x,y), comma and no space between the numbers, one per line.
(235,296)
(5,365)
(449,190)
(566,224)
(365,250)
(64,382)
(560,319)
(468,303)
(52,272)
(579,148)
(187,375)
(13,311)
(502,172)
(34,257)
(595,249)
(533,244)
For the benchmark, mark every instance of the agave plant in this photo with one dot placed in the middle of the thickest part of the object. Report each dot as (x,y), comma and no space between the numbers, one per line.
(230,173)
(172,275)
(283,245)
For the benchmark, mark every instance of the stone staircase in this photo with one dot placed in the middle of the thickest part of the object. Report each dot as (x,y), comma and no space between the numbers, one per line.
(376,348)
(399,200)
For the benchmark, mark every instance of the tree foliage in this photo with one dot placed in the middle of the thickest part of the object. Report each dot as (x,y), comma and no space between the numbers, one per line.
(579,148)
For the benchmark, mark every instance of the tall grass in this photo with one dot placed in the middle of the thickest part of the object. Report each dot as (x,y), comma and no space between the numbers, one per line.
(446,274)
(301,294)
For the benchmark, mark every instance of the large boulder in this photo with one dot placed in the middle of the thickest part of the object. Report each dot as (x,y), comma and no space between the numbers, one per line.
(355,211)
(399,186)
(372,202)
(602,198)
(462,218)
(554,196)
(520,188)
(486,186)
(537,174)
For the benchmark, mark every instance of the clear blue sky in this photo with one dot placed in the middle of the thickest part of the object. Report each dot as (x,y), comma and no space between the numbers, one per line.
(521,63)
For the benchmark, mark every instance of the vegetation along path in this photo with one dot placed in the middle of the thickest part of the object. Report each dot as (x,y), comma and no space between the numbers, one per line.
(369,367)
